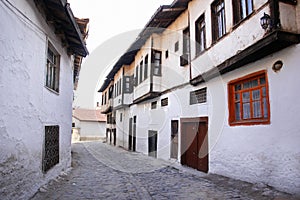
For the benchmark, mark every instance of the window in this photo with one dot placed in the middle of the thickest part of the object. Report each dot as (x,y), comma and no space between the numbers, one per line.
(186,41)
(249,100)
(218,19)
(156,62)
(121,117)
(167,54)
(128,84)
(52,69)
(141,71)
(154,105)
(200,35)
(164,102)
(51,148)
(146,68)
(136,79)
(241,9)
(110,93)
(198,96)
(176,48)
(120,86)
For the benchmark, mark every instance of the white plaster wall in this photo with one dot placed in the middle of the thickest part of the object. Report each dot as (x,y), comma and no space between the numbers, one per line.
(91,129)
(123,127)
(238,39)
(288,17)
(26,105)
(264,153)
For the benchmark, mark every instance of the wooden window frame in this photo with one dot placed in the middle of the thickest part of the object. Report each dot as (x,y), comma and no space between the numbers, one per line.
(141,71)
(238,10)
(232,100)
(215,13)
(200,31)
(186,41)
(52,69)
(136,78)
(155,67)
(146,67)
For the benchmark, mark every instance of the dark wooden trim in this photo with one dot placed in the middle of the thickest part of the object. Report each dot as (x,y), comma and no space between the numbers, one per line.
(271,43)
(146,97)
(291,2)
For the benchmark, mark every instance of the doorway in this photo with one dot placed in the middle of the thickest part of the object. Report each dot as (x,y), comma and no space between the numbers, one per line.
(174,139)
(152,143)
(194,143)
(132,134)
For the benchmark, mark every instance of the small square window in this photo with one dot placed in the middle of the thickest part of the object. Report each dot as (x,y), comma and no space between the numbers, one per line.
(164,102)
(154,105)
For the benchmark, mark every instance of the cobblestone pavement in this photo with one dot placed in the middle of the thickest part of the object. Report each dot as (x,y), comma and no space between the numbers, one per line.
(101,171)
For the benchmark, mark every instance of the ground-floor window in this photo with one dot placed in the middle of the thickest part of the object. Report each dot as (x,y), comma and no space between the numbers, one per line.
(249,100)
(51,147)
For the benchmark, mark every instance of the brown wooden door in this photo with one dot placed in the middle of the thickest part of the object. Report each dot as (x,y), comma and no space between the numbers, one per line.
(194,143)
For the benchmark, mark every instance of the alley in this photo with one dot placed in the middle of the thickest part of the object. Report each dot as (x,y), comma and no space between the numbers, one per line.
(101,171)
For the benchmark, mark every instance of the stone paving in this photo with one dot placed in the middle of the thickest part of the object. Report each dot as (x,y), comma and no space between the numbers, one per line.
(101,171)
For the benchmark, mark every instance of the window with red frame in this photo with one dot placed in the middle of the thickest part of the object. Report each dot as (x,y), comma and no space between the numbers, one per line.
(249,100)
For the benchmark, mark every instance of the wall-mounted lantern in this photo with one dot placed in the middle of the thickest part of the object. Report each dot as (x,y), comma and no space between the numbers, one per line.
(266,22)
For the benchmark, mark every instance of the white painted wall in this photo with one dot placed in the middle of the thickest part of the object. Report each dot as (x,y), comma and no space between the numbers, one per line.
(90,129)
(26,105)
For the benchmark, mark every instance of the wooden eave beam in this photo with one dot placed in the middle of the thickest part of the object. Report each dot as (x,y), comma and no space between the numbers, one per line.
(273,42)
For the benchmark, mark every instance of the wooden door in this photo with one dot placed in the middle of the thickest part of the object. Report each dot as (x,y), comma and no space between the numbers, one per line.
(194,143)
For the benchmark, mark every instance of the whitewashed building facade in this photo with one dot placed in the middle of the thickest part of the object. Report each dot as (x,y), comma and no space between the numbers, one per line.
(212,84)
(39,44)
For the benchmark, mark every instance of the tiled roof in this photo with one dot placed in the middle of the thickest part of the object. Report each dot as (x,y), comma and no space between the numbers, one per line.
(89,115)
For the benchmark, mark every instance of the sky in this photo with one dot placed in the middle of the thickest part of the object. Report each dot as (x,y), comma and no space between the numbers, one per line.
(111,17)
(113,26)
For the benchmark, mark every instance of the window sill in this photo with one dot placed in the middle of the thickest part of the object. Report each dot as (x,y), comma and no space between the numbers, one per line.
(51,90)
(250,122)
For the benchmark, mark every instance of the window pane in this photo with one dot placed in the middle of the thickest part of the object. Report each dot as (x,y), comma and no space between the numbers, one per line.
(237,111)
(265,107)
(256,109)
(264,91)
(246,96)
(262,80)
(237,96)
(250,6)
(157,56)
(256,94)
(243,9)
(246,111)
(238,87)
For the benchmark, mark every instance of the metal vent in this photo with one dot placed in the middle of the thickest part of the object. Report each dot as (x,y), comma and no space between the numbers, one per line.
(198,96)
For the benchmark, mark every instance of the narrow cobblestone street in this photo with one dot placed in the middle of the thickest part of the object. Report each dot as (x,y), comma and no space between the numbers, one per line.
(101,171)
